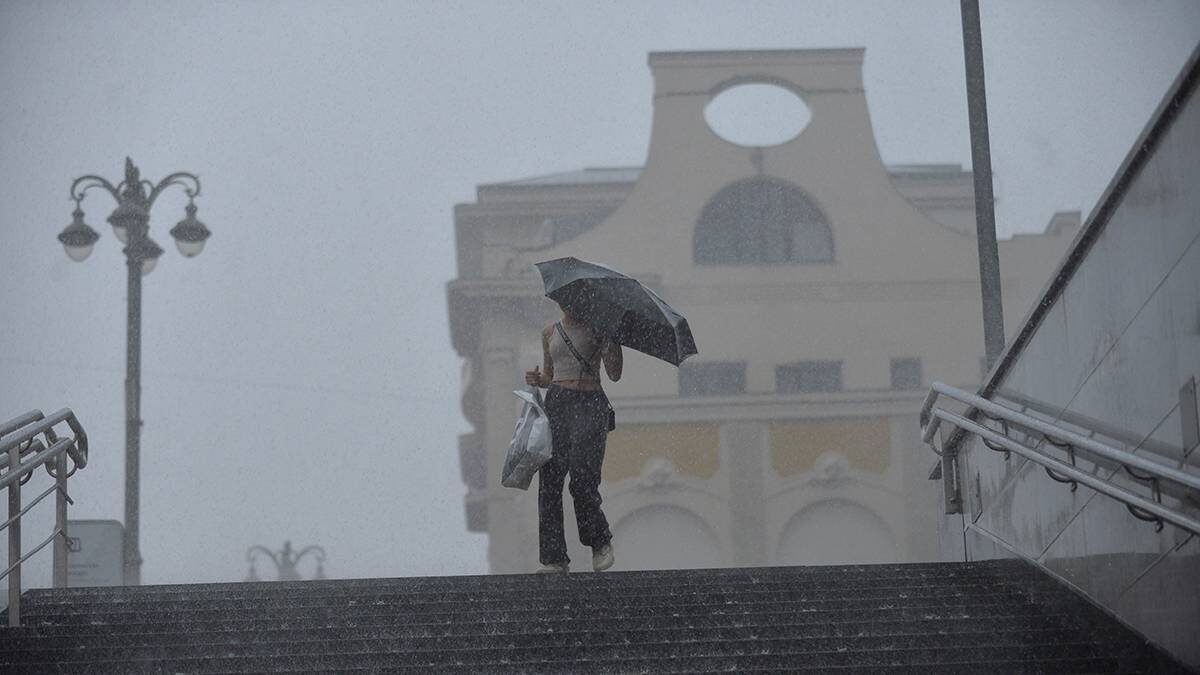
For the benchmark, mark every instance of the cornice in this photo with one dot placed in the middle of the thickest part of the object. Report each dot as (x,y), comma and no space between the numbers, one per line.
(701,295)
(826,291)
(519,288)
(534,208)
(766,407)
(758,57)
(495,288)
(936,201)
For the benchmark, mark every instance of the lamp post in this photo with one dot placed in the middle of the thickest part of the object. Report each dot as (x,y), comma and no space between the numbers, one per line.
(130,222)
(981,168)
(285,561)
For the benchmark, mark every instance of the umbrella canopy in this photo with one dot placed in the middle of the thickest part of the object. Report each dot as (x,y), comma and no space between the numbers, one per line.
(618,307)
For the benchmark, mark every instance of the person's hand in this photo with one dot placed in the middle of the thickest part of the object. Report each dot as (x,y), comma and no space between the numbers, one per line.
(534,377)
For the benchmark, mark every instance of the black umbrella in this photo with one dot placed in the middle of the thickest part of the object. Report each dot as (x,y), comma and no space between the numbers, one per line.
(619,307)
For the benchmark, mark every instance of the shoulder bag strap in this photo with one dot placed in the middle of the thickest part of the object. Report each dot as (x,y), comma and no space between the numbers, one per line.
(612,420)
(586,366)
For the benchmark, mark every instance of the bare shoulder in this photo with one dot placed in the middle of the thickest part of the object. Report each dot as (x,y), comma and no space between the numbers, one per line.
(547,332)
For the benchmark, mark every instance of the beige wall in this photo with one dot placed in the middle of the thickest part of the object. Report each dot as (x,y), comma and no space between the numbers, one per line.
(746,478)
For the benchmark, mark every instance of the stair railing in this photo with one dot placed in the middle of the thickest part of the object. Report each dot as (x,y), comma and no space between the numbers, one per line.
(1139,467)
(25,453)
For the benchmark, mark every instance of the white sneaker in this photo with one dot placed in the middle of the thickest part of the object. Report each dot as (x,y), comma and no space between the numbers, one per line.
(554,568)
(603,557)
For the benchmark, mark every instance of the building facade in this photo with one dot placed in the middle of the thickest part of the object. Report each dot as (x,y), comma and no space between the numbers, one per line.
(825,290)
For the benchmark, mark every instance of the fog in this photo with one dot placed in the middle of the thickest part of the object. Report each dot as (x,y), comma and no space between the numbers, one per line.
(298,380)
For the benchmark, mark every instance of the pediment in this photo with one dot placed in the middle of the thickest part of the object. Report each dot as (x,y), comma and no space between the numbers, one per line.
(834,162)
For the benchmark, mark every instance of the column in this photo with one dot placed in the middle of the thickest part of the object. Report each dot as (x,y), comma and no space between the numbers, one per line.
(745,447)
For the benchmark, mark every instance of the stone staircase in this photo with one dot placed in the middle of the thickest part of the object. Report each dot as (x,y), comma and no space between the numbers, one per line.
(998,616)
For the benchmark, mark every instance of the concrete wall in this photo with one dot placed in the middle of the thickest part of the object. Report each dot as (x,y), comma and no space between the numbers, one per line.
(1110,353)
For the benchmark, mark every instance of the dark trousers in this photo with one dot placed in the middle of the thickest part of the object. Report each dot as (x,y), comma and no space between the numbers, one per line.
(579,428)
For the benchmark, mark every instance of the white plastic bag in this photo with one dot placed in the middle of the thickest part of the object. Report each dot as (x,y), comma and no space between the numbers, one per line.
(531,445)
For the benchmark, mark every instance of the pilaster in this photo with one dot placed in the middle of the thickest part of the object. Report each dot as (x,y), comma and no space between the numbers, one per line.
(744,450)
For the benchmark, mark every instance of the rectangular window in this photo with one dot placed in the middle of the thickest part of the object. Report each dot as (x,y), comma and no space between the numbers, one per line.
(906,374)
(712,379)
(805,377)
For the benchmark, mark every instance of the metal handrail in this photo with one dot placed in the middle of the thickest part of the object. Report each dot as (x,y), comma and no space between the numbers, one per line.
(20,421)
(29,555)
(1087,426)
(25,453)
(41,456)
(45,425)
(30,505)
(1059,434)
(1100,485)
(1140,507)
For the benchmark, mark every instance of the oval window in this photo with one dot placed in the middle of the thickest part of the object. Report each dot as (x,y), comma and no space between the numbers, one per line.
(757,115)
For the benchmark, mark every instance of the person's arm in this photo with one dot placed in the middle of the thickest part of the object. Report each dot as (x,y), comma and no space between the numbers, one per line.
(545,376)
(614,360)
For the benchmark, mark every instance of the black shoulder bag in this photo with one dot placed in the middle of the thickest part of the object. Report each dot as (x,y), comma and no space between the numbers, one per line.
(612,414)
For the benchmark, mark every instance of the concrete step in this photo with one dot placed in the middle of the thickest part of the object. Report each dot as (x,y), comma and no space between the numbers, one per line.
(695,657)
(628,582)
(258,645)
(541,584)
(999,616)
(814,600)
(698,615)
(885,632)
(1001,570)
(763,664)
(981,605)
(852,625)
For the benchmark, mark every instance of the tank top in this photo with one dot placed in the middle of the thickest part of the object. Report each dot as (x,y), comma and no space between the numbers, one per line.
(566,366)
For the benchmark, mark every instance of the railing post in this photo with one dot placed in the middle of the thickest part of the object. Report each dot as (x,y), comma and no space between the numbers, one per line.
(60,522)
(14,538)
(951,492)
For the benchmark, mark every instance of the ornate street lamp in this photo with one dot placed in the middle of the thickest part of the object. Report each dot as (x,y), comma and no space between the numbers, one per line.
(130,222)
(285,561)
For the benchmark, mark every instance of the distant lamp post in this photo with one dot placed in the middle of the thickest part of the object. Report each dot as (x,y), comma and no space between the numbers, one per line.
(131,224)
(285,561)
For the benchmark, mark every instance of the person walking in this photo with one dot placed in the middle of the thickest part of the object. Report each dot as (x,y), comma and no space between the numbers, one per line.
(580,419)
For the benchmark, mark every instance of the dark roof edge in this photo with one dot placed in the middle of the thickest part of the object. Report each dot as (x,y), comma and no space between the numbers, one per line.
(742,55)
(906,170)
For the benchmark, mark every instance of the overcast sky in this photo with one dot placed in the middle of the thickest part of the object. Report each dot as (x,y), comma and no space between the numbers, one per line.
(297,376)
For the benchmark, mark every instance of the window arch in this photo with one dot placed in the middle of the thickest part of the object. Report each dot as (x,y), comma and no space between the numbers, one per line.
(665,536)
(836,532)
(761,220)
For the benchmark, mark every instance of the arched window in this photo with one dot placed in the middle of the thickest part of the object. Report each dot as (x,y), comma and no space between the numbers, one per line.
(759,221)
(665,537)
(836,532)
